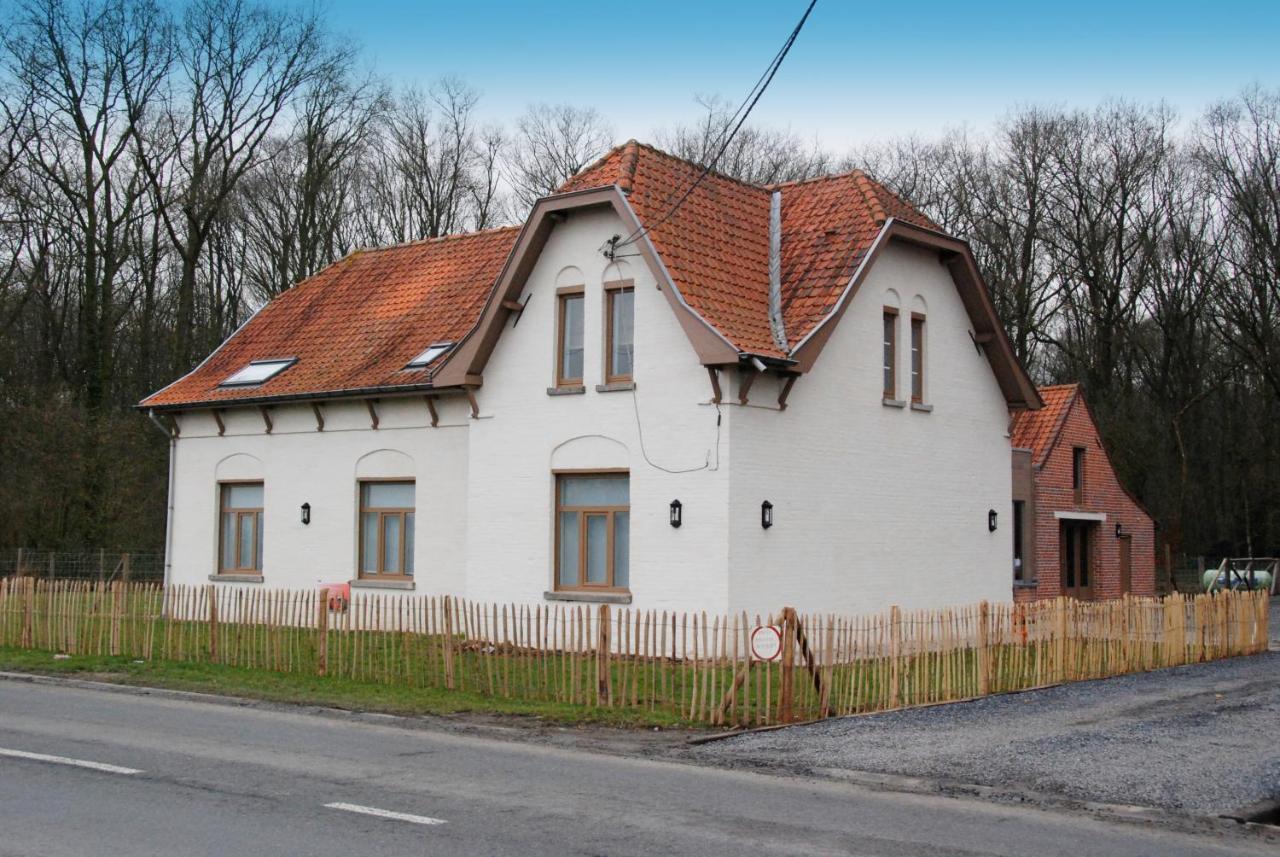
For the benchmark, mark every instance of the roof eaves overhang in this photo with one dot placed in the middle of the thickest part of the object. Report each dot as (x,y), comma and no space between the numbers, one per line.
(465,365)
(1015,383)
(424,389)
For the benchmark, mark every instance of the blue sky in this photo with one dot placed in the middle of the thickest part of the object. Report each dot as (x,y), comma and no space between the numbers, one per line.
(859,72)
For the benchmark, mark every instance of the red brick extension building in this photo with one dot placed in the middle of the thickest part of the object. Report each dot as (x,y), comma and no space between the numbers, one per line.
(1077,531)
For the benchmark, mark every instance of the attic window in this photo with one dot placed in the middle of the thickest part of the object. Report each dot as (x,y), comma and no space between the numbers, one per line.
(258,372)
(430,355)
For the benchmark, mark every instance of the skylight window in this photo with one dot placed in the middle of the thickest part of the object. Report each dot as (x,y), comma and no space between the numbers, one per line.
(427,357)
(258,372)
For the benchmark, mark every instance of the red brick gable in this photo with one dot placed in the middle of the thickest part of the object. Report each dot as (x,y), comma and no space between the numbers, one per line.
(1037,430)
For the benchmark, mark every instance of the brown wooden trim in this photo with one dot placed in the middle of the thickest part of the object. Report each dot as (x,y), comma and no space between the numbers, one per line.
(372,405)
(749,376)
(174,428)
(266,417)
(585,512)
(472,353)
(238,512)
(316,408)
(431,409)
(514,306)
(786,391)
(384,512)
(917,327)
(475,405)
(562,304)
(891,387)
(716,395)
(611,290)
(217,418)
(1014,382)
(570,290)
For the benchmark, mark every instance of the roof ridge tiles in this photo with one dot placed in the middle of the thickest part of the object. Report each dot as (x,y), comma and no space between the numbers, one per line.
(435,239)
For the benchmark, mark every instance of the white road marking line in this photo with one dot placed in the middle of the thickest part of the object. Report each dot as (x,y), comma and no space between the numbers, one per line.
(385,813)
(63,760)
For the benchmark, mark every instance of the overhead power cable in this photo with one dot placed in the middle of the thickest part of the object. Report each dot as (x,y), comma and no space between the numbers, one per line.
(731,130)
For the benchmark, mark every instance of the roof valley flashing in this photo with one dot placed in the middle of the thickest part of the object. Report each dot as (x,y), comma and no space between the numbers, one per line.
(755,272)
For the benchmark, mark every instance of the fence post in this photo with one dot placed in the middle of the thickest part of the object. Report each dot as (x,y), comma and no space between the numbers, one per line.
(116,595)
(102,564)
(786,695)
(124,572)
(213,623)
(895,650)
(448,642)
(984,655)
(604,673)
(17,570)
(28,608)
(51,565)
(322,633)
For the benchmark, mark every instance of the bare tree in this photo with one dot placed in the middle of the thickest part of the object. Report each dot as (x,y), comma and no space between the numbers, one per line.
(432,171)
(552,143)
(241,66)
(294,209)
(1239,147)
(755,154)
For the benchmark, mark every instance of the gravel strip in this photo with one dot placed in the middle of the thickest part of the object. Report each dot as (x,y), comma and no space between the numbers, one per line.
(1201,739)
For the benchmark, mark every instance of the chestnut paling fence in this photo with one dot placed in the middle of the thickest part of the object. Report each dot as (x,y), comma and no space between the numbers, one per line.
(690,666)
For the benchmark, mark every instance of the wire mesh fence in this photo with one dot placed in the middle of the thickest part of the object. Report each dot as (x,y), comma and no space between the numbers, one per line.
(700,668)
(102,566)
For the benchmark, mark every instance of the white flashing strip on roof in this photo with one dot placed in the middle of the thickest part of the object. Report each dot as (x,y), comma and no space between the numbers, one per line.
(427,357)
(257,372)
(1080,516)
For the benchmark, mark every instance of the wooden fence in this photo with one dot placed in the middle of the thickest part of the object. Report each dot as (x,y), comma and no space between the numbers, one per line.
(695,667)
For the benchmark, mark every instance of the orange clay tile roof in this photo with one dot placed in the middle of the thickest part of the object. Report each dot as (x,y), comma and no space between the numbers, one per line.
(357,323)
(1036,430)
(716,245)
(354,325)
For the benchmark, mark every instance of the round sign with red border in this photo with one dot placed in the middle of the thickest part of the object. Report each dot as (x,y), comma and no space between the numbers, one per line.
(766,643)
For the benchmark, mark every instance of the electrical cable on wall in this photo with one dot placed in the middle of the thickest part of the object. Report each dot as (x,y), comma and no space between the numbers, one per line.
(706,465)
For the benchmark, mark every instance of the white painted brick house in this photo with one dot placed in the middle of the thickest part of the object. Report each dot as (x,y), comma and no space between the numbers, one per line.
(817,357)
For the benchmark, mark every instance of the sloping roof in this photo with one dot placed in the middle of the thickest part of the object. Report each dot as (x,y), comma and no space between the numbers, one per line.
(716,245)
(356,324)
(1037,430)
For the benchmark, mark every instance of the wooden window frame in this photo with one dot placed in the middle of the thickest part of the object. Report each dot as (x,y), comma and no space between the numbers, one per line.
(1020,539)
(612,290)
(562,302)
(224,493)
(1078,460)
(583,511)
(384,512)
(890,318)
(917,346)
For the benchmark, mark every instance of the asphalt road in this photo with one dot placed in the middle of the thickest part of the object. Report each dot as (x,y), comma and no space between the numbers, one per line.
(1195,739)
(193,778)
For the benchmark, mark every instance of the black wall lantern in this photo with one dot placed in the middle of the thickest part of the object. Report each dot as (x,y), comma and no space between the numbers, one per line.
(766,514)
(991,520)
(306,513)
(676,512)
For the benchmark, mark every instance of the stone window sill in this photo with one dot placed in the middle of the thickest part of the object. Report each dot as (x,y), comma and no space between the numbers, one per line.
(893,403)
(922,407)
(383,584)
(566,391)
(236,578)
(1025,584)
(588,597)
(615,387)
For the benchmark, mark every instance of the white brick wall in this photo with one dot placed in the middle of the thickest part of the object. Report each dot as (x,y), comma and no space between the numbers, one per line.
(873,505)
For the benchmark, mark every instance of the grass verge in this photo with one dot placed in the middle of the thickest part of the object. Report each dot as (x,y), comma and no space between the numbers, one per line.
(328,691)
